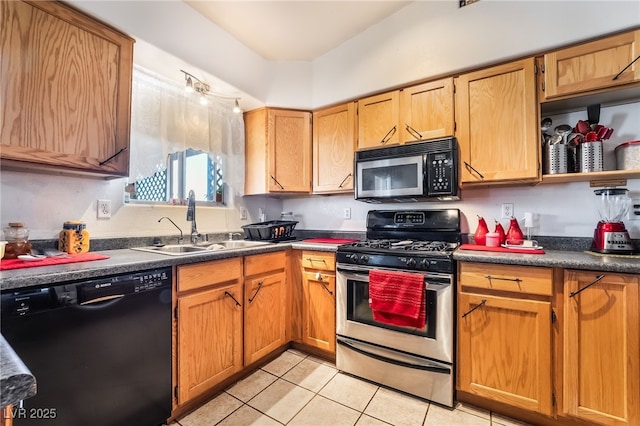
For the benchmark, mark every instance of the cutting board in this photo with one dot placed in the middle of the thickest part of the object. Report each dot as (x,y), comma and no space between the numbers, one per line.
(329,240)
(500,249)
(7,264)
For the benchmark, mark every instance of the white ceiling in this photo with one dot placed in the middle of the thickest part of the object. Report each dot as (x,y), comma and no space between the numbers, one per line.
(295,30)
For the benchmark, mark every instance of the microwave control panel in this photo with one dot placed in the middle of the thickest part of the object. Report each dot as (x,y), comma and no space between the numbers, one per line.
(440,172)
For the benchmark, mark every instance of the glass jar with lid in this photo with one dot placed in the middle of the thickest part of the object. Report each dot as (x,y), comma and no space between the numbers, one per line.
(17,236)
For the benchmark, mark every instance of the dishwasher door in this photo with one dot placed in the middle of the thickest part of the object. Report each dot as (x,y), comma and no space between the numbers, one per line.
(100,351)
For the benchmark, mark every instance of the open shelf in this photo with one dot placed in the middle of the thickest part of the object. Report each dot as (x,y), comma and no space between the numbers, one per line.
(610,176)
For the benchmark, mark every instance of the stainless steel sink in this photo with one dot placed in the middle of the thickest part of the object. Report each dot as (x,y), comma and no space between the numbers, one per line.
(186,249)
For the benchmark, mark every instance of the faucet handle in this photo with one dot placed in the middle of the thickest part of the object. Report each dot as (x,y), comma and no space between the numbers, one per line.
(231,234)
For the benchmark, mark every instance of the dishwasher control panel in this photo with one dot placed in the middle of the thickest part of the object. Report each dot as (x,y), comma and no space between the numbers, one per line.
(88,292)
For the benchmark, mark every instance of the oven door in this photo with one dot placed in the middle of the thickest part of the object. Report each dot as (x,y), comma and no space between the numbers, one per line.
(390,177)
(354,318)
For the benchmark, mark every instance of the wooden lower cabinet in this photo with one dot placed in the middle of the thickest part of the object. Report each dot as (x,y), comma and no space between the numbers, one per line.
(319,300)
(265,310)
(505,350)
(209,332)
(601,348)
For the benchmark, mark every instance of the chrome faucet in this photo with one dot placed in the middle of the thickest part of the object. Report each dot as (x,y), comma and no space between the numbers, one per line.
(181,237)
(231,234)
(191,216)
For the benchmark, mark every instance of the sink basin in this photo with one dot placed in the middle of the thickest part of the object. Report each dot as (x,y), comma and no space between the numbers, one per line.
(186,249)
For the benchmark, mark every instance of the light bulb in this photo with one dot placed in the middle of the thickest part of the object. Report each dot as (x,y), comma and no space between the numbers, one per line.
(236,108)
(203,100)
(189,87)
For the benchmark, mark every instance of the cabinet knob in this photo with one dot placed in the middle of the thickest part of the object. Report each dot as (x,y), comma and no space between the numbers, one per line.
(318,276)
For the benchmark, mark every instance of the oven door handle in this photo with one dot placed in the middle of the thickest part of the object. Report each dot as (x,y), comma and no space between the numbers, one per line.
(427,366)
(364,277)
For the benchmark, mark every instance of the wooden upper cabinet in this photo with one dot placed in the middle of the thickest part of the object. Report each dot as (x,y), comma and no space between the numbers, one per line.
(65,85)
(426,111)
(278,151)
(378,120)
(592,66)
(334,142)
(601,348)
(498,129)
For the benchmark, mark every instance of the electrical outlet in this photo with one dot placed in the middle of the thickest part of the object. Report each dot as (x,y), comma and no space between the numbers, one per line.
(634,211)
(347,212)
(507,210)
(243,213)
(104,209)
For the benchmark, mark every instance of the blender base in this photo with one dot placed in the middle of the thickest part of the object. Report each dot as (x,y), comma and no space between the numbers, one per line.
(612,238)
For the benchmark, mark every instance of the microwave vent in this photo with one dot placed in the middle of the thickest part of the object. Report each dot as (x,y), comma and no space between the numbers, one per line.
(418,148)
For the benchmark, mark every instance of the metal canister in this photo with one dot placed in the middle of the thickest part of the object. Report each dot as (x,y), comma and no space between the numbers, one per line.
(554,159)
(590,156)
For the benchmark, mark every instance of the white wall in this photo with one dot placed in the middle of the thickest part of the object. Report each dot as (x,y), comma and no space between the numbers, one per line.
(421,40)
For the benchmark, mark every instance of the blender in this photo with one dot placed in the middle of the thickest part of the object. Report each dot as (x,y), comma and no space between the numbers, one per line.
(610,235)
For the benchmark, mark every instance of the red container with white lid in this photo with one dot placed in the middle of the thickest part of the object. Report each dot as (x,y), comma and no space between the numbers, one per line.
(628,155)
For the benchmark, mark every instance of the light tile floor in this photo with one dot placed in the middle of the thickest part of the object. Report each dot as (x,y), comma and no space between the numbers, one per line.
(299,389)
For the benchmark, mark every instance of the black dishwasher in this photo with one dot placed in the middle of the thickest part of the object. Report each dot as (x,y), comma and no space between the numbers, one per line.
(100,350)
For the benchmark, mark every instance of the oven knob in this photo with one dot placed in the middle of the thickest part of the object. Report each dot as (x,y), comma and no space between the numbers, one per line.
(411,262)
(353,258)
(364,259)
(424,264)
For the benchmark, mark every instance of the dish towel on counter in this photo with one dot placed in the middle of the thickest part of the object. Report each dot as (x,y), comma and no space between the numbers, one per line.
(398,298)
(6,264)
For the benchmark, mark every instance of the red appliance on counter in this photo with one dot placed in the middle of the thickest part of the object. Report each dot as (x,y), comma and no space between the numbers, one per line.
(610,235)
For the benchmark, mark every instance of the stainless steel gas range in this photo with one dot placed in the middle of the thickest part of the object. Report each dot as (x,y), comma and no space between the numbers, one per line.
(407,244)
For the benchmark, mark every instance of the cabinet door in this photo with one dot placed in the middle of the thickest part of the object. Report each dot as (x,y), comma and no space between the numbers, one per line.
(497,124)
(319,310)
(601,353)
(378,120)
(504,350)
(264,315)
(334,142)
(426,111)
(592,66)
(209,339)
(65,85)
(289,141)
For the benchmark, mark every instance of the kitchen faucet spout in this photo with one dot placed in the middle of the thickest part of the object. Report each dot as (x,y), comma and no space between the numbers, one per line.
(181,237)
(191,216)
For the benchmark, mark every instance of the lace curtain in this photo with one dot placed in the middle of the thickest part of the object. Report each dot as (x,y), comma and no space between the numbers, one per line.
(166,119)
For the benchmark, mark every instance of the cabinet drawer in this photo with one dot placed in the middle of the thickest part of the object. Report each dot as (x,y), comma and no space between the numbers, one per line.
(261,263)
(204,274)
(521,279)
(325,261)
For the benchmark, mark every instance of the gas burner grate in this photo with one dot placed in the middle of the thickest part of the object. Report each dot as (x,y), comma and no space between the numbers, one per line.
(405,245)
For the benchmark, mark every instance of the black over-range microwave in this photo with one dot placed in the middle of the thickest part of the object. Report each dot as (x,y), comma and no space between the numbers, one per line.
(416,171)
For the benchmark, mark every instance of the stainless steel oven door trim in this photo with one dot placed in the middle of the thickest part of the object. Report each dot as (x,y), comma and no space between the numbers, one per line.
(386,163)
(440,348)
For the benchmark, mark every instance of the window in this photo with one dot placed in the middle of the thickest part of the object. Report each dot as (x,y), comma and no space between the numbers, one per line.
(177,145)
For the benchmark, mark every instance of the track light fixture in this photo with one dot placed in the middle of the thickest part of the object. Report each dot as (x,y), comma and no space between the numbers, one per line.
(194,84)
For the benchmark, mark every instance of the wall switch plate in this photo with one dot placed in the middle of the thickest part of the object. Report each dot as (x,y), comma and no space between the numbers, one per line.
(243,213)
(104,209)
(347,212)
(507,211)
(634,211)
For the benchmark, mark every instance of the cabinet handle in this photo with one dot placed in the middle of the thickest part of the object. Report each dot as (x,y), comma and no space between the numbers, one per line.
(625,68)
(344,180)
(489,277)
(256,293)
(388,136)
(326,287)
(413,132)
(226,293)
(469,166)
(316,260)
(474,308)
(102,163)
(598,278)
(277,183)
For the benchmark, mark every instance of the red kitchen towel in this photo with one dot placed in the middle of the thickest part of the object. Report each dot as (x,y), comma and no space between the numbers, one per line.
(398,298)
(330,240)
(6,264)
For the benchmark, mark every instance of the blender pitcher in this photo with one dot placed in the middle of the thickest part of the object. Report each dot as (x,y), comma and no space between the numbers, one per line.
(613,204)
(610,235)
